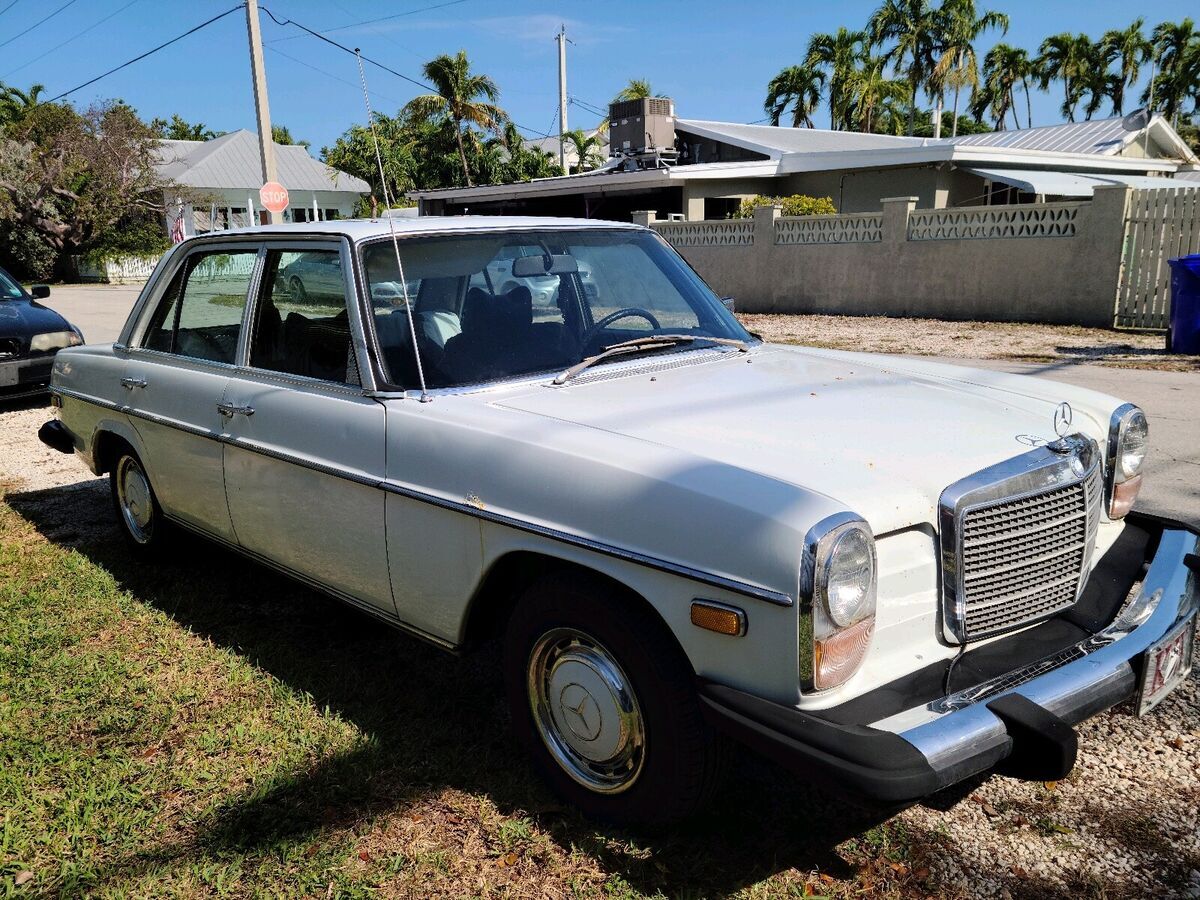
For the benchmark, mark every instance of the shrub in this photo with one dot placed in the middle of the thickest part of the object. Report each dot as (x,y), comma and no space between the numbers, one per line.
(795,205)
(24,254)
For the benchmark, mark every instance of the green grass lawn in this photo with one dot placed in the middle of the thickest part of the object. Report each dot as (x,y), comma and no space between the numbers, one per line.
(206,727)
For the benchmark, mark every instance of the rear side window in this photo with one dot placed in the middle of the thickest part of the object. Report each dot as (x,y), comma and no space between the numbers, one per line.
(302,326)
(200,315)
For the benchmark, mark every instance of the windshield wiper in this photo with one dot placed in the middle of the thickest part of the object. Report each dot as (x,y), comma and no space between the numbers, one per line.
(653,342)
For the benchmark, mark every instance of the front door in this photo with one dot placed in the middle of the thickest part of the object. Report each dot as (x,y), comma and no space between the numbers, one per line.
(304,451)
(175,378)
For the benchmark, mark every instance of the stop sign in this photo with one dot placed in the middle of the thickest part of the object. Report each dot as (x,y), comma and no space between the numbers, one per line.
(273,196)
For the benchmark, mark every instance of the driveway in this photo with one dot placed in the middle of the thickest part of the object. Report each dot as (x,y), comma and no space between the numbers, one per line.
(99,310)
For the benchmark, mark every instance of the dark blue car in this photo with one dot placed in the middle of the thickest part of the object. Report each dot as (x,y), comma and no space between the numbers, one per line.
(30,335)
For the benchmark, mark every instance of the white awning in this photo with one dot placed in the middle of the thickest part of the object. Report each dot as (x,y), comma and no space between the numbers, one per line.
(1071,184)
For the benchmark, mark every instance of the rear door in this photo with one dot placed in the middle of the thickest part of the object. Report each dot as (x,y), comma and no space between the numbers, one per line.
(175,378)
(304,451)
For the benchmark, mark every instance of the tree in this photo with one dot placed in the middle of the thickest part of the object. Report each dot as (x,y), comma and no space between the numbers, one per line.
(527,163)
(1176,49)
(178,129)
(586,147)
(72,177)
(636,89)
(869,90)
(1128,48)
(281,134)
(957,67)
(463,98)
(914,26)
(839,54)
(798,87)
(354,153)
(1067,58)
(15,104)
(1004,67)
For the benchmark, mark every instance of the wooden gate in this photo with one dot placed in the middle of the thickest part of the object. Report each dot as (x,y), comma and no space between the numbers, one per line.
(1160,224)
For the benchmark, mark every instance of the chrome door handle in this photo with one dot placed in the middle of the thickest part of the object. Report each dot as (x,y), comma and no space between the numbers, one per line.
(229,410)
(130,383)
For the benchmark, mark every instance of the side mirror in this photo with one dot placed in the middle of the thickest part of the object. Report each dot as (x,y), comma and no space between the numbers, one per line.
(728,303)
(39,291)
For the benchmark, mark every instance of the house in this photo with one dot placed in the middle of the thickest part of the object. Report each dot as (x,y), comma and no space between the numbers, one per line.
(223,176)
(714,165)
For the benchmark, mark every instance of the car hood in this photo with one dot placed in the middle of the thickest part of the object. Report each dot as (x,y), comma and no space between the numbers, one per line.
(24,318)
(882,435)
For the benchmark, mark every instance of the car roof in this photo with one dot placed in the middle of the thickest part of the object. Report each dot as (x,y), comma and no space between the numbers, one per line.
(365,229)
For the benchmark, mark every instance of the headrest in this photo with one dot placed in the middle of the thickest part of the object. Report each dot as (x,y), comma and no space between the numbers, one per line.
(484,312)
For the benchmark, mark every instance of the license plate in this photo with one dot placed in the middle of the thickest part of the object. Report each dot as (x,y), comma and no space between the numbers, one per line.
(8,375)
(1167,663)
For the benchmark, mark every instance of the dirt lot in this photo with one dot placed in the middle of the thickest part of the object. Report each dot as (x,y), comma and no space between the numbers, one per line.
(208,727)
(973,340)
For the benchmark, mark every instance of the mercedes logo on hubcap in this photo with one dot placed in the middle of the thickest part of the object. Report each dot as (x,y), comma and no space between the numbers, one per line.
(580,712)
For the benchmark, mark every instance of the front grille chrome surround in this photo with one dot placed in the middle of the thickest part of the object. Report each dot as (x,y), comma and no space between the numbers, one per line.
(1017,539)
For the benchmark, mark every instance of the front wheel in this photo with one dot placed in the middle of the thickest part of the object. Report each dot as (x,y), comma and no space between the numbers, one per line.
(605,703)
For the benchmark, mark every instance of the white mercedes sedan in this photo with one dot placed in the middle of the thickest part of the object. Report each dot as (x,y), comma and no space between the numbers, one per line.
(887,574)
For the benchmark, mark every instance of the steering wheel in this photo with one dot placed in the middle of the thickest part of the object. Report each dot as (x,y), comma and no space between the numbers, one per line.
(627,312)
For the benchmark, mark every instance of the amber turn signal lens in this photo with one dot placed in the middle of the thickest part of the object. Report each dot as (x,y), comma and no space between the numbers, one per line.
(719,618)
(1124,494)
(838,657)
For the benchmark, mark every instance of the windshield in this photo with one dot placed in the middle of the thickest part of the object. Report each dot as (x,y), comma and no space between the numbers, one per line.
(499,305)
(9,289)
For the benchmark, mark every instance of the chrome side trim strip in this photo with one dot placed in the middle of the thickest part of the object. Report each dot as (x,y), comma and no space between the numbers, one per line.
(86,398)
(564,537)
(374,611)
(757,592)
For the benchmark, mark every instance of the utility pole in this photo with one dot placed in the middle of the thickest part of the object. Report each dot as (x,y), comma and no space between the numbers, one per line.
(262,109)
(561,37)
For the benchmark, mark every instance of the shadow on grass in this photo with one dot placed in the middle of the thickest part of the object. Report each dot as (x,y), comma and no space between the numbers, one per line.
(434,721)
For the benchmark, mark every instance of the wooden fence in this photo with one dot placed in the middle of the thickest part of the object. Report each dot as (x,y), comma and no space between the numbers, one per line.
(1159,224)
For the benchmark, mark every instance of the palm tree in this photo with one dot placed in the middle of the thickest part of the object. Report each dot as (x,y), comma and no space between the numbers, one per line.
(1065,57)
(1128,48)
(462,97)
(839,54)
(798,87)
(587,148)
(15,103)
(1003,67)
(871,91)
(914,25)
(1097,84)
(1176,48)
(961,25)
(637,89)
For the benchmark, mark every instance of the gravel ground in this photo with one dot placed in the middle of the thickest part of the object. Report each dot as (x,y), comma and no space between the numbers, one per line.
(1126,823)
(974,340)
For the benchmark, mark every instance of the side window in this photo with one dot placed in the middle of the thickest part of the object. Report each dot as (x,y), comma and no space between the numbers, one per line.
(200,314)
(302,326)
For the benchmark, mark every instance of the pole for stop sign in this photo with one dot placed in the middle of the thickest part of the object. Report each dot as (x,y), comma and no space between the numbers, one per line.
(262,109)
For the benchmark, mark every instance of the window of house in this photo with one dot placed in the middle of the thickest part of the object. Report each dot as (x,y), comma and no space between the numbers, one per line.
(200,313)
(302,326)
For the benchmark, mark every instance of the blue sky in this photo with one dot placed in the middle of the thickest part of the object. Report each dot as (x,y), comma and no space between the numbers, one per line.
(714,58)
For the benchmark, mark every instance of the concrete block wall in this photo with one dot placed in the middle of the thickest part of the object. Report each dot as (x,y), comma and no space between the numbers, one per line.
(1020,271)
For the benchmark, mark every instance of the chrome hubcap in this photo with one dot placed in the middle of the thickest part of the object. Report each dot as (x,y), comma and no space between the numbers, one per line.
(134,498)
(585,710)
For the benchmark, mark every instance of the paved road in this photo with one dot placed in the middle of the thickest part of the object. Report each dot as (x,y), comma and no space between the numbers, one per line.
(1171,399)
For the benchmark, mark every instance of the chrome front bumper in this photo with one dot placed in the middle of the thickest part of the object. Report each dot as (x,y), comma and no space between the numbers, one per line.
(1020,722)
(966,737)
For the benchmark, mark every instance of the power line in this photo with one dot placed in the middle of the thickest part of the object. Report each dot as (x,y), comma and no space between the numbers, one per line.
(347,81)
(374,62)
(35,24)
(7,8)
(147,53)
(68,40)
(411,12)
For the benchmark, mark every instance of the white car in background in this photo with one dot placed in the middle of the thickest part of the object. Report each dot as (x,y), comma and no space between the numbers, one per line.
(889,574)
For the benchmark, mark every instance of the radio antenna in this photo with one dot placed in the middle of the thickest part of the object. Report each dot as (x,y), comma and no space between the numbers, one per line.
(387,203)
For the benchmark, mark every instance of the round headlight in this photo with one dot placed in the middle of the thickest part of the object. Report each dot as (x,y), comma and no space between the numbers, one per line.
(849,577)
(1131,447)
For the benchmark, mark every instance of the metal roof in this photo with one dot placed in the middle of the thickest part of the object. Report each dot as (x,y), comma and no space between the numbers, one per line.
(1103,136)
(773,140)
(231,162)
(1071,184)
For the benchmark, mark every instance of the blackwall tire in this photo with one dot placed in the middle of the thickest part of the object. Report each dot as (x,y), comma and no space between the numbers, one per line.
(139,516)
(605,703)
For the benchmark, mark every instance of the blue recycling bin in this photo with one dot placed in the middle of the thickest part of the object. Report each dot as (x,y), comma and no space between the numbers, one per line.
(1184,336)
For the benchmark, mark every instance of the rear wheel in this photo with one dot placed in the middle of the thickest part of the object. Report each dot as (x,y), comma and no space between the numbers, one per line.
(298,291)
(138,513)
(604,702)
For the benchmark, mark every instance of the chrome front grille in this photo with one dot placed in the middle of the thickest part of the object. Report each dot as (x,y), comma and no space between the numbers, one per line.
(1017,540)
